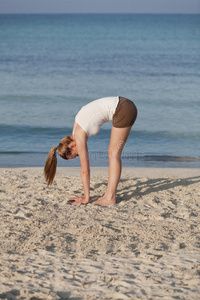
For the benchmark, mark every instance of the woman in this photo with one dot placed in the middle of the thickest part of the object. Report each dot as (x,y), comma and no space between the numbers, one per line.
(88,121)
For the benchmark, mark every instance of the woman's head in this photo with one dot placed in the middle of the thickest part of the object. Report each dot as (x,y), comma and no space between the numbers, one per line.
(66,149)
(63,148)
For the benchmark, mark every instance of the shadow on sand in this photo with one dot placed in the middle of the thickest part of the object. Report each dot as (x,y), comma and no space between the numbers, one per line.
(142,188)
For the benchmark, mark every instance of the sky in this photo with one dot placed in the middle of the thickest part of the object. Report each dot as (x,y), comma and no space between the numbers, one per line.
(100,6)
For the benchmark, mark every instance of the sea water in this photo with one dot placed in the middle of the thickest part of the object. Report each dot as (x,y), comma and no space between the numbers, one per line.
(52,65)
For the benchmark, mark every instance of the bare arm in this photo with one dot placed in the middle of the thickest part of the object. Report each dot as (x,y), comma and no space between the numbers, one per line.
(85,172)
(81,144)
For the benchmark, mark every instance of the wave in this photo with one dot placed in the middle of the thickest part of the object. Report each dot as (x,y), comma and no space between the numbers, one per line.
(20,129)
(103,155)
(169,158)
(11,130)
(20,152)
(36,98)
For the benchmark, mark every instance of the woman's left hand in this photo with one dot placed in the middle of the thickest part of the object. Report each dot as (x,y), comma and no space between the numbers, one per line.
(79,200)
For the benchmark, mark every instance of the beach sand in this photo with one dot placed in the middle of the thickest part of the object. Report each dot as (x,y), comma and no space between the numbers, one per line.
(145,247)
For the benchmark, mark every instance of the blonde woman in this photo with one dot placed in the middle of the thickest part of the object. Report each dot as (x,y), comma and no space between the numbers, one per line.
(123,113)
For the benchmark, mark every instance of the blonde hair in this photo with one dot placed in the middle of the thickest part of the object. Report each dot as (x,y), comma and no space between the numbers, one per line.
(51,162)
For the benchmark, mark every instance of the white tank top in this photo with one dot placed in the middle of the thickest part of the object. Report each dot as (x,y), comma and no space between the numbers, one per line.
(93,115)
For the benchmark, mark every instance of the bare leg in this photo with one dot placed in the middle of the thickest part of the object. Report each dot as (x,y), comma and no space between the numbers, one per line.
(117,142)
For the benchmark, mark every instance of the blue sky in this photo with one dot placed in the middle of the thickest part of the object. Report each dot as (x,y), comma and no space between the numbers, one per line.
(99,6)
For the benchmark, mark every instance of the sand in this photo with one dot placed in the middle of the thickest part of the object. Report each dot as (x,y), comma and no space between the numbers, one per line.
(145,247)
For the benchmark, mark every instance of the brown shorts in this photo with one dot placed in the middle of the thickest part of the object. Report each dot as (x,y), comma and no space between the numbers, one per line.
(125,114)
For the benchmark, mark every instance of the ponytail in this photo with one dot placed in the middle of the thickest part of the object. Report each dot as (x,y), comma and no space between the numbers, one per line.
(51,162)
(50,166)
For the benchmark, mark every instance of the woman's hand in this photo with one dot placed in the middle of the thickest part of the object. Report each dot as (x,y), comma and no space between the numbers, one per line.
(79,200)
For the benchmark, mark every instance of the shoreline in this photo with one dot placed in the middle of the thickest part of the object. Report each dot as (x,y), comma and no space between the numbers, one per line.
(138,171)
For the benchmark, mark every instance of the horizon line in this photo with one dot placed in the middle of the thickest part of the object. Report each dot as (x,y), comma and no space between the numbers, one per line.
(98,13)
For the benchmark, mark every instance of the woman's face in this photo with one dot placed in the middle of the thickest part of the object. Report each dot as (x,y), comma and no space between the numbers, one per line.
(72,151)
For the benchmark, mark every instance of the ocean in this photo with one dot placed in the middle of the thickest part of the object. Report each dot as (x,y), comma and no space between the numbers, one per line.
(52,65)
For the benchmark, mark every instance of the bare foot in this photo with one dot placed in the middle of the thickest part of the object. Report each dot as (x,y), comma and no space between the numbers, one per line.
(104,201)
